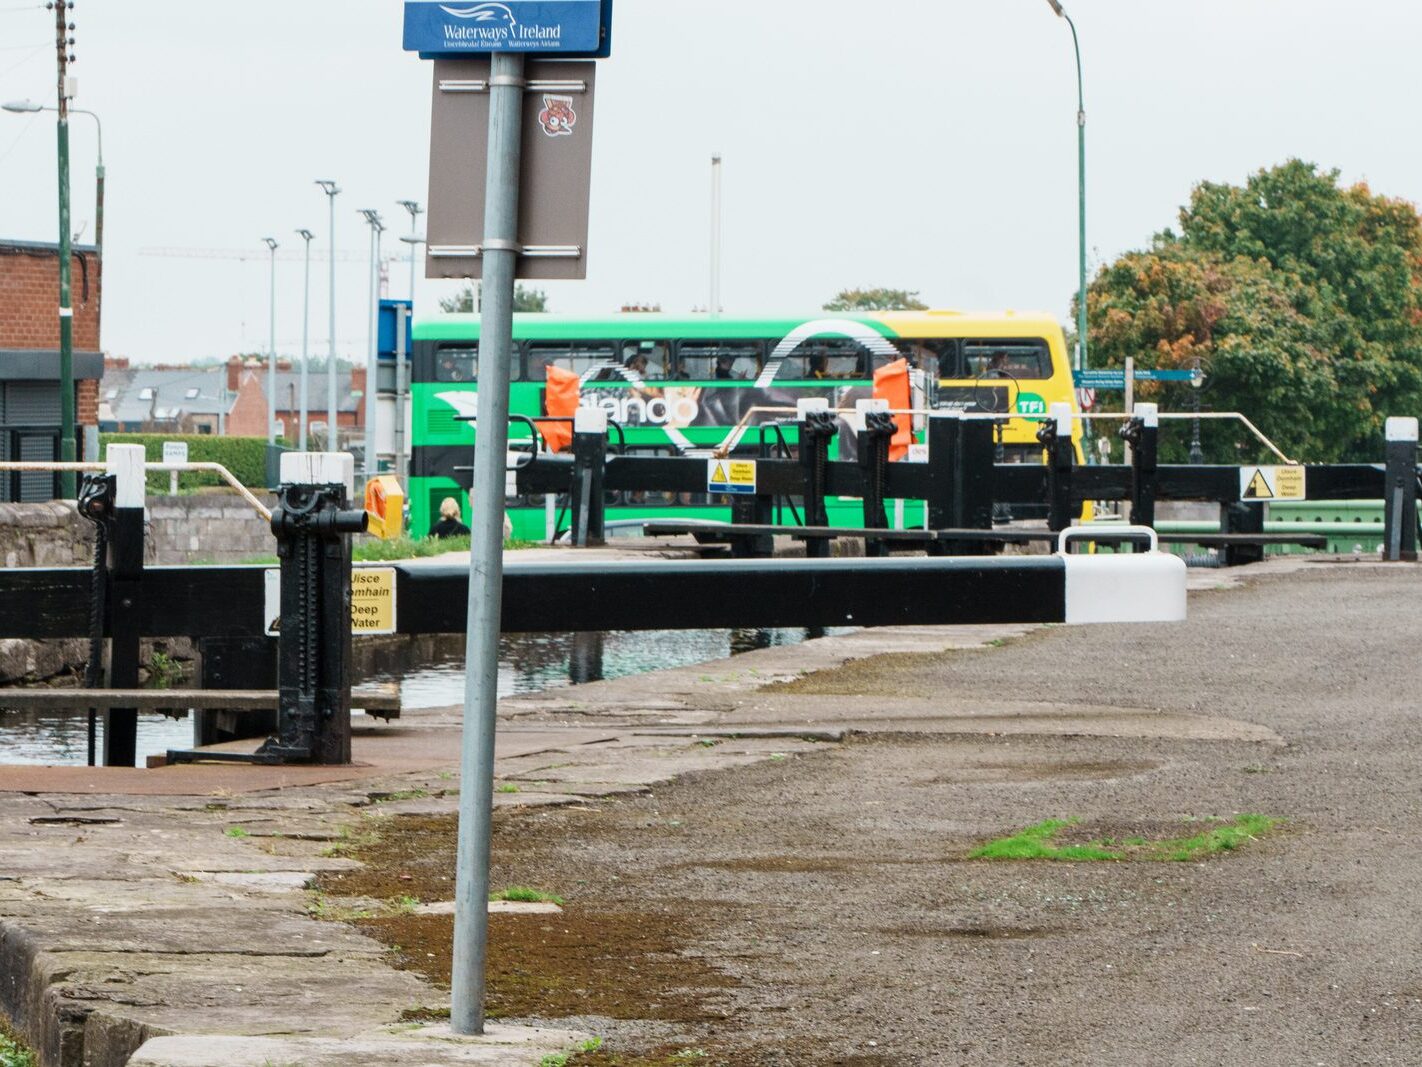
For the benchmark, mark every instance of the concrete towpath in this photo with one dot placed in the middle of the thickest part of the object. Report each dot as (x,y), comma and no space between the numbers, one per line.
(161,917)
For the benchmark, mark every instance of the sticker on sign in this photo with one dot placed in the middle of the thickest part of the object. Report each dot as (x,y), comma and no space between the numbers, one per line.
(372,601)
(1272,483)
(730,476)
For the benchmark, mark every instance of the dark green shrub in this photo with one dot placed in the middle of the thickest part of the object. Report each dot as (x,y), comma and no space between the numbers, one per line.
(245,457)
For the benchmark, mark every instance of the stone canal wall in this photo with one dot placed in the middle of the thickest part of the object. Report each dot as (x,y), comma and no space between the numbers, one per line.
(201,528)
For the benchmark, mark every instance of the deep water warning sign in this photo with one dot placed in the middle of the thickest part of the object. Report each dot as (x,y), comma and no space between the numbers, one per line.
(730,476)
(372,600)
(1272,483)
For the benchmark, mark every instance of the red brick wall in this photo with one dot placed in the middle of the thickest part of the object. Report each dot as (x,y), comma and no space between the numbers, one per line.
(86,396)
(29,295)
(248,417)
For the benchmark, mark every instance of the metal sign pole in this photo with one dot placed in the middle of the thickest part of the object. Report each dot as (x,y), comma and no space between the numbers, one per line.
(481,669)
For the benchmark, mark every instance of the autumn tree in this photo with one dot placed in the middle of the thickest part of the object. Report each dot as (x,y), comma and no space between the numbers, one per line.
(1300,298)
(876,300)
(525,299)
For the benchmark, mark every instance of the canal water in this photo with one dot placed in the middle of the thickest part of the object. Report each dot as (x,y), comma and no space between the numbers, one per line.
(527,663)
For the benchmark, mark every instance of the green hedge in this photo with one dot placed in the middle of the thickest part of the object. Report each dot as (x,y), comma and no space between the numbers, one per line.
(245,457)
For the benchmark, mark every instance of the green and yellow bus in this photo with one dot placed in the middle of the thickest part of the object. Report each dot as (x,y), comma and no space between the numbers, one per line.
(679,384)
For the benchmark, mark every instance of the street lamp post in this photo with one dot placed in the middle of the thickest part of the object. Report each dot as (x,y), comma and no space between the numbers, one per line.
(271,244)
(1080,191)
(414,239)
(372,361)
(330,188)
(402,388)
(21,107)
(713,305)
(302,416)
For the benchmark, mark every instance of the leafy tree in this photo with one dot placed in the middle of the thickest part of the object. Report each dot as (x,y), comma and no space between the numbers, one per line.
(524,300)
(1302,300)
(876,300)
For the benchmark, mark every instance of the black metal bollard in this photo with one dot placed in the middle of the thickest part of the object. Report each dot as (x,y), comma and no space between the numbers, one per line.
(1400,495)
(1055,436)
(817,429)
(1242,517)
(755,510)
(589,507)
(961,481)
(874,440)
(313,523)
(125,598)
(944,442)
(96,503)
(1143,434)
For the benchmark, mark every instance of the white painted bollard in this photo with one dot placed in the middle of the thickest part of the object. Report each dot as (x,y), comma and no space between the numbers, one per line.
(1121,587)
(126,464)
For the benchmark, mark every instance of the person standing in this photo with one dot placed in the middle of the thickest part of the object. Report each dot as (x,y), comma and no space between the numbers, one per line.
(449,524)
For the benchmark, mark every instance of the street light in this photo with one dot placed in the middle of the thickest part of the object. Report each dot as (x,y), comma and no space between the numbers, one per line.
(331,189)
(372,346)
(303,416)
(22,107)
(415,211)
(714,304)
(1081,191)
(414,240)
(271,244)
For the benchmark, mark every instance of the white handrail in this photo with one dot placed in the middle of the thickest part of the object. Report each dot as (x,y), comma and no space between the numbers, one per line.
(208,468)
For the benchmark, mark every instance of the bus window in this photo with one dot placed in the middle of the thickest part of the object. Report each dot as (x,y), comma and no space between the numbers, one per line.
(937,357)
(650,359)
(826,357)
(460,363)
(1008,359)
(576,356)
(457,364)
(710,361)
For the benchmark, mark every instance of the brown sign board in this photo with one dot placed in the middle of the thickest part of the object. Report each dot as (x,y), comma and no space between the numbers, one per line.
(555,174)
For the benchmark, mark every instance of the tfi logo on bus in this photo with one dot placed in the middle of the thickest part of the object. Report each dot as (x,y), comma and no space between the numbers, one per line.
(631,410)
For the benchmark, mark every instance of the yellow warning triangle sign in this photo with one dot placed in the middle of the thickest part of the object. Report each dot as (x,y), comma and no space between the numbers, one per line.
(1258,488)
(719,475)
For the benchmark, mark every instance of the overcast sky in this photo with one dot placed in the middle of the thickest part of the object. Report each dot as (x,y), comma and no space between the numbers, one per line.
(920,144)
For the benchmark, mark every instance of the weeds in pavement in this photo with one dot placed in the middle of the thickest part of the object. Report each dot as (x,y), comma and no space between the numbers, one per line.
(1038,842)
(236,831)
(13,1052)
(404,794)
(507,787)
(1035,843)
(560,1059)
(525,895)
(1227,838)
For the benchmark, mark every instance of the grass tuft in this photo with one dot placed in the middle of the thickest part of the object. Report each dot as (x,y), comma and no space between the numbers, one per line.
(1227,838)
(526,895)
(1036,842)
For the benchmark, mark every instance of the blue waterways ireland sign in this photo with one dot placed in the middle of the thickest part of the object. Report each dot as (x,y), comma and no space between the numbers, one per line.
(473,27)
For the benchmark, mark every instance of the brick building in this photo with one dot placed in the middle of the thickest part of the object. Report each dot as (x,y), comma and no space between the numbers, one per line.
(247,416)
(29,357)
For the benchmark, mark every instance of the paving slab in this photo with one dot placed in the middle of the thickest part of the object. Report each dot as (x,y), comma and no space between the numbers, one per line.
(500,1046)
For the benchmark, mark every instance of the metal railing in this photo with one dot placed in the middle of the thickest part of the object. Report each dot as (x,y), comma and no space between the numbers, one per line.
(157,468)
